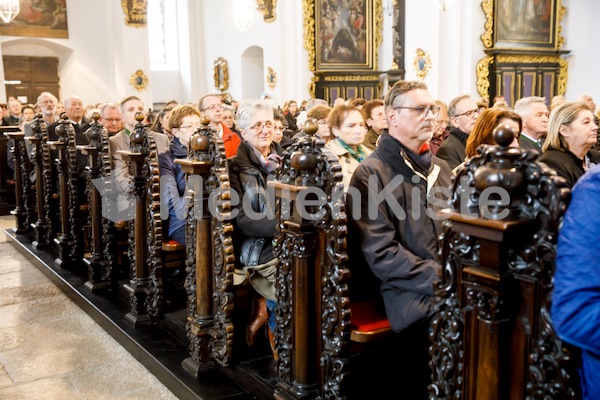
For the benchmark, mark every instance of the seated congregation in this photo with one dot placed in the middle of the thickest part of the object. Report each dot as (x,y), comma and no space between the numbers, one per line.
(396,248)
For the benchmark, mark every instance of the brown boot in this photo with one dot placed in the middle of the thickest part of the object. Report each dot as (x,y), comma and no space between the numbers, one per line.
(272,343)
(257,320)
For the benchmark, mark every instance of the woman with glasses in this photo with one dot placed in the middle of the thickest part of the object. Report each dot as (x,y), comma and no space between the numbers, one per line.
(257,158)
(183,123)
(572,132)
(278,130)
(441,128)
(489,119)
(349,127)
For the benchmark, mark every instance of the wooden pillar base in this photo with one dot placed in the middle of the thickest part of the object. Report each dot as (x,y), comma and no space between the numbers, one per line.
(40,230)
(196,368)
(138,316)
(295,391)
(63,260)
(96,269)
(21,221)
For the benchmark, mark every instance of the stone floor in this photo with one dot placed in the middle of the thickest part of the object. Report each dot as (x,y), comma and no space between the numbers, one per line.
(51,349)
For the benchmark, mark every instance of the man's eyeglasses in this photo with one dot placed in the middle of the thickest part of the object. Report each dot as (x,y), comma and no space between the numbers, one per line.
(422,111)
(440,121)
(214,107)
(112,120)
(470,113)
(259,126)
(195,126)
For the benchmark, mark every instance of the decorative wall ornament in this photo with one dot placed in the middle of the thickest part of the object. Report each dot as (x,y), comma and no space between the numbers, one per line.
(267,9)
(221,74)
(139,80)
(136,12)
(271,77)
(422,63)
(332,47)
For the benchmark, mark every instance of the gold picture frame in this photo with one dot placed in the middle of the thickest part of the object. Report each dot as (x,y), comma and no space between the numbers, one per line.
(517,24)
(271,77)
(221,74)
(333,46)
(139,80)
(50,22)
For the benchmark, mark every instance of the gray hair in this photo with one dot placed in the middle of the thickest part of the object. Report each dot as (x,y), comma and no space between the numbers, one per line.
(523,106)
(399,89)
(452,107)
(248,108)
(46,94)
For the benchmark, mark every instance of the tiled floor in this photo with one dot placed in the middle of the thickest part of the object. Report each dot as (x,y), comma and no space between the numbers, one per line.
(51,349)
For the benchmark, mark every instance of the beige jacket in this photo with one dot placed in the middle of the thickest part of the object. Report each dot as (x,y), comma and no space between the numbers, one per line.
(120,168)
(348,163)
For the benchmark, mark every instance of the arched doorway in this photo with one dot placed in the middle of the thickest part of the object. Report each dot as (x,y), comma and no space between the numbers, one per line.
(252,73)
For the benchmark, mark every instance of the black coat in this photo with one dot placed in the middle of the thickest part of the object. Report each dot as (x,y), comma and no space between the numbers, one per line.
(567,165)
(254,235)
(400,251)
(453,149)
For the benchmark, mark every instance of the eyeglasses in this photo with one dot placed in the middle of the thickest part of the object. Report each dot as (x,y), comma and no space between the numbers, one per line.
(195,126)
(214,107)
(259,126)
(470,113)
(280,128)
(112,120)
(440,121)
(422,111)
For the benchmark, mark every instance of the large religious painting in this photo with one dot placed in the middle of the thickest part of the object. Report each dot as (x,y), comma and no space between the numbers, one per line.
(523,24)
(39,18)
(342,34)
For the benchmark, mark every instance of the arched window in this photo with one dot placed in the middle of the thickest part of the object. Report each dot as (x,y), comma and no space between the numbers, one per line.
(162,35)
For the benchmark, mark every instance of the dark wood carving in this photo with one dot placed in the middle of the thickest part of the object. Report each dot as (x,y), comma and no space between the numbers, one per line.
(312,348)
(98,266)
(38,141)
(492,335)
(68,250)
(139,287)
(209,278)
(22,193)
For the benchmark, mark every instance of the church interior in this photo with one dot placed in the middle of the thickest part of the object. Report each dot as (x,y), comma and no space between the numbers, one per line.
(99,297)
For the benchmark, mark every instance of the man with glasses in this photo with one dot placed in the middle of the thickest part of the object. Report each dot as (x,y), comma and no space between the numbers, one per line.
(130,106)
(463,112)
(392,226)
(111,118)
(211,106)
(534,115)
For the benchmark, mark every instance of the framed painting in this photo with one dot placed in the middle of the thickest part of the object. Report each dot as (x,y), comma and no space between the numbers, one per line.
(342,34)
(47,19)
(523,24)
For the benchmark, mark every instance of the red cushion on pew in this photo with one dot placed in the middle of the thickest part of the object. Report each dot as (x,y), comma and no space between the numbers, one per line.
(367,316)
(172,245)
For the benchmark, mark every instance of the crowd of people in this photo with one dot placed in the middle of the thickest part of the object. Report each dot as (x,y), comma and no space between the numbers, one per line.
(408,134)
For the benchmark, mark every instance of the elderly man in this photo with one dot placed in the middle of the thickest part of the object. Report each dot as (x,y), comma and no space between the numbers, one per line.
(391,227)
(534,115)
(130,106)
(111,118)
(463,112)
(211,106)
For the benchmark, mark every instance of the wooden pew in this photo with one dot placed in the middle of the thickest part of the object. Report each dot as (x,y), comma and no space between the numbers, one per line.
(492,334)
(24,211)
(146,248)
(41,162)
(99,265)
(69,242)
(314,314)
(210,255)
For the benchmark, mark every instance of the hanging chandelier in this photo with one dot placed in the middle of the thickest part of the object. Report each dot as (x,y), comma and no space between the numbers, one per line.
(9,10)
(242,14)
(444,4)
